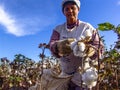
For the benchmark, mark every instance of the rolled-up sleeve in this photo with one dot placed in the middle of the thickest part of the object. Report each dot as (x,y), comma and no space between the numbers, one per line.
(97,42)
(53,43)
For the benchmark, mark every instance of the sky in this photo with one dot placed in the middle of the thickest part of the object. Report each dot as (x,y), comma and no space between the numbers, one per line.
(24,24)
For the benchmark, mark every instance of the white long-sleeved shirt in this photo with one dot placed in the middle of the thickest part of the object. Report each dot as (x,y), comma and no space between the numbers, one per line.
(70,64)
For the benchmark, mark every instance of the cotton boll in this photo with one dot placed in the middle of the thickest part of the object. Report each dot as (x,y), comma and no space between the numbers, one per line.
(78,48)
(94,62)
(72,45)
(94,83)
(88,33)
(81,46)
(90,77)
(80,54)
(30,82)
(77,52)
(86,65)
(82,37)
(44,66)
(9,69)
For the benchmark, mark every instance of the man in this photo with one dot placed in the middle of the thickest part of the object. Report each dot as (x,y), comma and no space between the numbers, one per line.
(64,34)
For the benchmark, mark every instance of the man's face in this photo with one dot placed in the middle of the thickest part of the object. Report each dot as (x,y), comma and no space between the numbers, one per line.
(71,11)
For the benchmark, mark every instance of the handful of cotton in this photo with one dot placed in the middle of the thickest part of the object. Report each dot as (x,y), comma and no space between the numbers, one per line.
(89,77)
(79,49)
(63,46)
(79,46)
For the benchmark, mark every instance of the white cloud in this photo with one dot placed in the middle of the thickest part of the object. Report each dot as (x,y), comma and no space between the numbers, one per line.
(9,23)
(118,3)
(26,25)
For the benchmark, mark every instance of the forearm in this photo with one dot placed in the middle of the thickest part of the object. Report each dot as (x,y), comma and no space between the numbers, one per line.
(98,44)
(53,43)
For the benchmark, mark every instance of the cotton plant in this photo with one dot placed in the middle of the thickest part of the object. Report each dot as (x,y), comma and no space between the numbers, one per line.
(81,49)
(89,77)
(89,74)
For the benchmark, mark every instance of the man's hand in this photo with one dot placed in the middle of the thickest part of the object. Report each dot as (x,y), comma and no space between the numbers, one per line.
(63,47)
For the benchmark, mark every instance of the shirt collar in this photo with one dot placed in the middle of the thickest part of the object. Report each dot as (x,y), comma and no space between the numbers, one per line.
(73,25)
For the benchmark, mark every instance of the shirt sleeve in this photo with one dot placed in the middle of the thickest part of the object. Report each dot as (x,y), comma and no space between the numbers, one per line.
(53,43)
(97,42)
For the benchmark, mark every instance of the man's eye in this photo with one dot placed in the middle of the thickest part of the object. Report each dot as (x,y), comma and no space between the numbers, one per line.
(73,8)
(70,8)
(66,9)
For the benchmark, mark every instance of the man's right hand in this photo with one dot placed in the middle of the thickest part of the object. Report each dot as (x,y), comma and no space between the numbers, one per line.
(63,47)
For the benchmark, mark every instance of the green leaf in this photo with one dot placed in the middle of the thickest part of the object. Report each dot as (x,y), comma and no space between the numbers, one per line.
(106,26)
(114,53)
(118,29)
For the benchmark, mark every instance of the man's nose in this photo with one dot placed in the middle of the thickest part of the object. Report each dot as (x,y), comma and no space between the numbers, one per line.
(70,10)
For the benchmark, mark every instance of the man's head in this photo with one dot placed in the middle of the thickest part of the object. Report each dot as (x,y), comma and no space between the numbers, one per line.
(71,9)
(65,2)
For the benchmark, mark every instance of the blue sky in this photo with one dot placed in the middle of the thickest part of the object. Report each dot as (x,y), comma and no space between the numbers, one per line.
(24,24)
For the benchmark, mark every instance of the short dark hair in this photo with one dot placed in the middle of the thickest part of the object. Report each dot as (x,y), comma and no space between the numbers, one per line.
(66,4)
